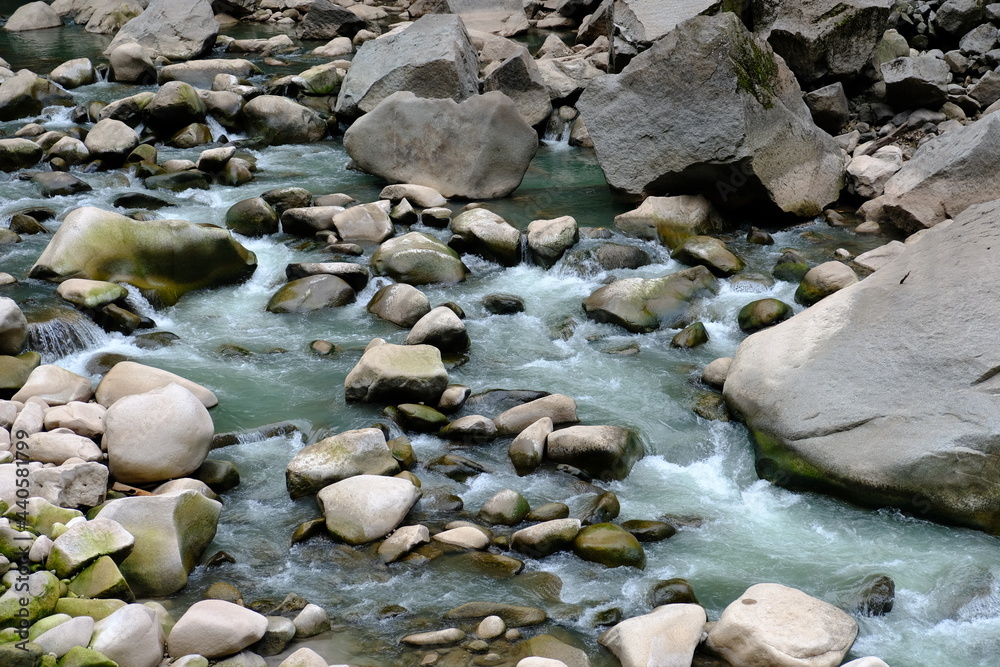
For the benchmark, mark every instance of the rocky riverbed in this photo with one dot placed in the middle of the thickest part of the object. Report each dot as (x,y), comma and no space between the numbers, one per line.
(497,333)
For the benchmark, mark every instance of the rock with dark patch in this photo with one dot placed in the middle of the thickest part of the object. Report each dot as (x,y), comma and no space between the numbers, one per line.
(727,119)
(488,235)
(26,94)
(763,313)
(19,154)
(311,293)
(604,452)
(279,120)
(914,82)
(174,29)
(397,373)
(58,183)
(609,545)
(503,304)
(642,305)
(708,252)
(325,21)
(252,217)
(823,280)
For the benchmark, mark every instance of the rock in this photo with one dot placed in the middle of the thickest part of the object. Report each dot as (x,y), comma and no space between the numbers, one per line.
(710,253)
(440,328)
(335,48)
(402,541)
(174,29)
(419,195)
(824,452)
(649,531)
(55,386)
(309,220)
(109,17)
(876,258)
(487,234)
(528,449)
(71,484)
(395,373)
(875,598)
(279,120)
(145,254)
(868,173)
(690,336)
(13,327)
(19,153)
(311,621)
(914,82)
(518,77)
(365,508)
(672,591)
(642,305)
(432,58)
(175,105)
(667,636)
(74,73)
(60,639)
(364,223)
(101,579)
(505,508)
(944,177)
(515,616)
(671,220)
(128,378)
(565,78)
(201,73)
(559,408)
(435,638)
(83,543)
(55,184)
(71,151)
(773,624)
(609,545)
(214,629)
(326,20)
(745,99)
(33,16)
(546,538)
(503,304)
(354,275)
(131,64)
(111,141)
(358,452)
(252,217)
(823,280)
(162,434)
(311,293)
(463,537)
(26,94)
(791,266)
(548,240)
(131,637)
(958,16)
(171,532)
(34,599)
(418,259)
(825,38)
(400,304)
(479,149)
(86,419)
(304,657)
(605,452)
(57,446)
(761,314)
(829,107)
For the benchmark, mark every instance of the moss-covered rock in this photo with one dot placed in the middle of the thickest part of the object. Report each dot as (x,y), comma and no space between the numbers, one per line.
(418,259)
(642,305)
(421,418)
(79,656)
(96,609)
(14,371)
(252,217)
(708,252)
(692,335)
(13,655)
(101,579)
(163,258)
(763,313)
(609,545)
(790,267)
(311,293)
(823,280)
(43,589)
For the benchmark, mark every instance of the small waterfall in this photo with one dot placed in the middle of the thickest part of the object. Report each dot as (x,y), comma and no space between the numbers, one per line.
(58,332)
(557,131)
(218,131)
(103,74)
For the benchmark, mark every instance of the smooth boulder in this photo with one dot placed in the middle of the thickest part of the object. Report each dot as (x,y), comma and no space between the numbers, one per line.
(642,305)
(358,452)
(418,259)
(279,120)
(33,16)
(174,29)
(604,452)
(397,373)
(215,629)
(365,508)
(666,637)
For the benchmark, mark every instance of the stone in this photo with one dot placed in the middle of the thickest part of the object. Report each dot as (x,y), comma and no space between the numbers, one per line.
(354,275)
(19,153)
(358,452)
(71,151)
(252,217)
(174,29)
(161,434)
(171,532)
(335,48)
(761,314)
(463,537)
(74,73)
(773,624)
(471,429)
(548,240)
(311,293)
(671,220)
(163,258)
(304,657)
(201,73)
(441,328)
(546,538)
(109,17)
(708,252)
(214,629)
(365,508)
(33,16)
(479,149)
(528,449)
(914,82)
(55,386)
(128,378)
(57,183)
(823,280)
(418,259)
(400,304)
(326,20)
(945,176)
(131,64)
(435,638)
(829,107)
(131,637)
(90,293)
(432,58)
(13,327)
(71,484)
(365,223)
(395,373)
(57,446)
(642,305)
(31,600)
(667,637)
(307,221)
(604,452)
(312,620)
(278,120)
(868,174)
(738,99)
(60,639)
(402,541)
(690,336)
(515,616)
(419,195)
(485,233)
(26,94)
(559,408)
(609,545)
(101,579)
(518,77)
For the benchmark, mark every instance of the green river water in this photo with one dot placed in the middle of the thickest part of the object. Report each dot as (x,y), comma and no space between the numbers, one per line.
(740,531)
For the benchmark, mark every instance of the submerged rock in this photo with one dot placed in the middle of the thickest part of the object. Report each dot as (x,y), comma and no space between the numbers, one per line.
(727,118)
(163,258)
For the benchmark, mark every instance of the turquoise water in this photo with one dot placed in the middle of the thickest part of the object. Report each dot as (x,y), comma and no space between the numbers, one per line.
(947,608)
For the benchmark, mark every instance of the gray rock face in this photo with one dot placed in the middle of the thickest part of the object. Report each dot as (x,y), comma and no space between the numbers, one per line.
(921,81)
(478,149)
(325,20)
(33,16)
(433,58)
(175,29)
(918,429)
(944,177)
(518,78)
(726,119)
(279,120)
(822,37)
(26,94)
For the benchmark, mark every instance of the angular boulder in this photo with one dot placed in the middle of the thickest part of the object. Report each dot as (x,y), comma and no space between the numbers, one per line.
(432,58)
(666,636)
(174,29)
(726,120)
(359,452)
(163,258)
(604,452)
(642,305)
(397,373)
(488,235)
(111,141)
(83,543)
(279,120)
(918,429)
(365,508)
(479,149)
(400,304)
(311,293)
(26,94)
(326,20)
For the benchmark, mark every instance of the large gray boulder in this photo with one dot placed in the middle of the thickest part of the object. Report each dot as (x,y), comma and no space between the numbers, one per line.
(724,117)
(604,452)
(642,22)
(914,82)
(174,29)
(326,20)
(666,636)
(432,58)
(163,258)
(109,16)
(33,16)
(418,259)
(397,373)
(358,452)
(478,149)
(944,177)
(517,76)
(822,38)
(366,507)
(215,629)
(279,120)
(26,94)
(918,429)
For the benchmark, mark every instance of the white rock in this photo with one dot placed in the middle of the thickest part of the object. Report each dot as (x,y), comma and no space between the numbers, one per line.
(666,637)
(402,541)
(311,621)
(131,637)
(61,444)
(128,378)
(215,628)
(304,657)
(365,508)
(60,639)
(491,627)
(465,537)
(85,419)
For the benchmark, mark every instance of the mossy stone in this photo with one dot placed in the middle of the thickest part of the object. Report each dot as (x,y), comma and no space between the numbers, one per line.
(308,530)
(790,267)
(27,655)
(649,531)
(42,594)
(78,656)
(609,545)
(42,515)
(763,313)
(672,591)
(252,217)
(14,371)
(421,418)
(712,406)
(402,451)
(311,293)
(690,336)
(219,475)
(103,580)
(46,624)
(708,252)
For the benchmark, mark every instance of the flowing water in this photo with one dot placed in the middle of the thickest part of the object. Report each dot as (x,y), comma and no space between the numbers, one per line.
(738,530)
